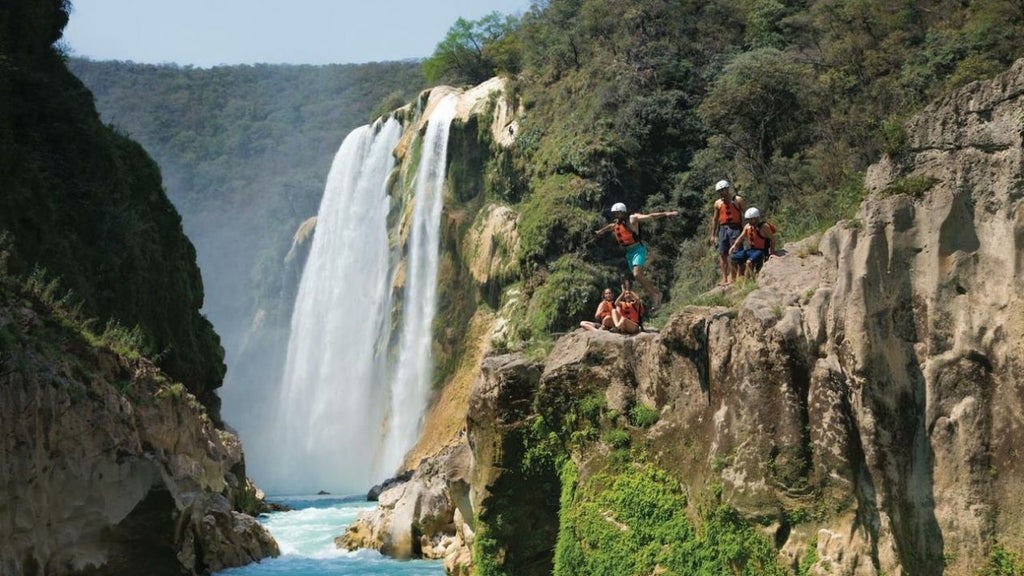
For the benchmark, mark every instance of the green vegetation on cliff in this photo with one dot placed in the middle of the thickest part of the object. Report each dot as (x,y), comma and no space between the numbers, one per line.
(634,521)
(84,203)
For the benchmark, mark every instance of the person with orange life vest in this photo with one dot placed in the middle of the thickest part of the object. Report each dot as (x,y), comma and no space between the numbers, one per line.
(760,238)
(627,233)
(627,311)
(726,224)
(603,316)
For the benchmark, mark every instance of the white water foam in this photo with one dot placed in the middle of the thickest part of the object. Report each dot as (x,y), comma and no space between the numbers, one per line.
(306,539)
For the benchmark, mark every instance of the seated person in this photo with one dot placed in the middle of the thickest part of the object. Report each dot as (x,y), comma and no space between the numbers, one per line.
(603,316)
(627,312)
(760,239)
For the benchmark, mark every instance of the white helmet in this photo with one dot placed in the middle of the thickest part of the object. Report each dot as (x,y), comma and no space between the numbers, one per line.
(752,213)
(722,185)
(619,207)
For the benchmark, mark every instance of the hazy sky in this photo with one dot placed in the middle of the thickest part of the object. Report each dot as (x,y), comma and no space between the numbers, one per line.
(211,32)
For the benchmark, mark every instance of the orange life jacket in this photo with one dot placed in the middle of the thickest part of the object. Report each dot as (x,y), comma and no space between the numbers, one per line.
(729,212)
(604,310)
(625,235)
(753,234)
(630,310)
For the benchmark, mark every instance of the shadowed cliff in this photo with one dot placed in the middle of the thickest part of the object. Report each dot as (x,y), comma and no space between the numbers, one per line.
(86,205)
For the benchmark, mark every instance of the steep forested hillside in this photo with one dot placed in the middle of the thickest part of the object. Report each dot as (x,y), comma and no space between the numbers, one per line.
(82,206)
(651,102)
(244,151)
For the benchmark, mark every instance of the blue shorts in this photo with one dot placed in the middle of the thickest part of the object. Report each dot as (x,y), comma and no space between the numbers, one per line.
(636,255)
(749,255)
(727,237)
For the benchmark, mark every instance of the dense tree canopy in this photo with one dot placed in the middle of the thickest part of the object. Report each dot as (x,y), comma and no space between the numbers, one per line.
(650,102)
(473,50)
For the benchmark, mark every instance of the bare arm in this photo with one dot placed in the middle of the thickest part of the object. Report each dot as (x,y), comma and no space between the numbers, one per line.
(739,240)
(604,229)
(714,222)
(771,237)
(653,216)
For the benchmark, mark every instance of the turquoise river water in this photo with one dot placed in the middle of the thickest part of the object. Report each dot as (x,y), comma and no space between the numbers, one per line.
(306,537)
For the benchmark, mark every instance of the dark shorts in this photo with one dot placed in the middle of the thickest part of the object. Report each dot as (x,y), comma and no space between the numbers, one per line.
(750,255)
(727,237)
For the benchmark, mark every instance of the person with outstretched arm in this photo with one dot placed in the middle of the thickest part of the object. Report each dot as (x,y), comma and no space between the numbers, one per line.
(726,224)
(626,227)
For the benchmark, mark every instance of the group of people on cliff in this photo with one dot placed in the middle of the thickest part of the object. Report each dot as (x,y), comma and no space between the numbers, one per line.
(742,240)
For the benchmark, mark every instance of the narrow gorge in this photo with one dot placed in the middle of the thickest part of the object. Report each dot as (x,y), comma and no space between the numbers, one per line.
(854,410)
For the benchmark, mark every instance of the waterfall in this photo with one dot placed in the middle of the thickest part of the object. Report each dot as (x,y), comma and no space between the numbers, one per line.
(410,387)
(332,403)
(346,415)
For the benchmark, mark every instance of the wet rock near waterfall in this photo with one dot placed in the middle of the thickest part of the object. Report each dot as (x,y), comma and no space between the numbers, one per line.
(374,494)
(426,516)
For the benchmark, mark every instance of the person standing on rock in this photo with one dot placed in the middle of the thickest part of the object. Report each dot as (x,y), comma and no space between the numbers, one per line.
(726,224)
(760,238)
(603,316)
(626,227)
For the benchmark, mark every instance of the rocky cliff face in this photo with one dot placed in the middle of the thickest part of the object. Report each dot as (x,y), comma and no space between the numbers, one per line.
(858,413)
(106,465)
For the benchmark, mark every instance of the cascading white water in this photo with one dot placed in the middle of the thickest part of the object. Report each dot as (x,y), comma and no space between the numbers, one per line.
(410,386)
(332,401)
(345,417)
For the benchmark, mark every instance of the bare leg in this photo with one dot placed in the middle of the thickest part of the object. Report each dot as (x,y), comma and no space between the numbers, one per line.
(589,325)
(723,265)
(608,323)
(624,325)
(638,273)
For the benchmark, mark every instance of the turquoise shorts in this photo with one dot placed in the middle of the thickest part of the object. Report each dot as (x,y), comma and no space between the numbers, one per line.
(636,255)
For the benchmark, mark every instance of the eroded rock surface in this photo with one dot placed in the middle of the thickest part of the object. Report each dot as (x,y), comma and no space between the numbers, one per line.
(107,467)
(424,516)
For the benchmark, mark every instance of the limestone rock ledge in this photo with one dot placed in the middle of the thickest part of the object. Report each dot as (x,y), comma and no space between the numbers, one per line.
(426,516)
(106,466)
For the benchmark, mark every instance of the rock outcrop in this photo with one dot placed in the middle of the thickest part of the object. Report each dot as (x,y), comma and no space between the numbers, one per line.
(865,400)
(425,516)
(106,466)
